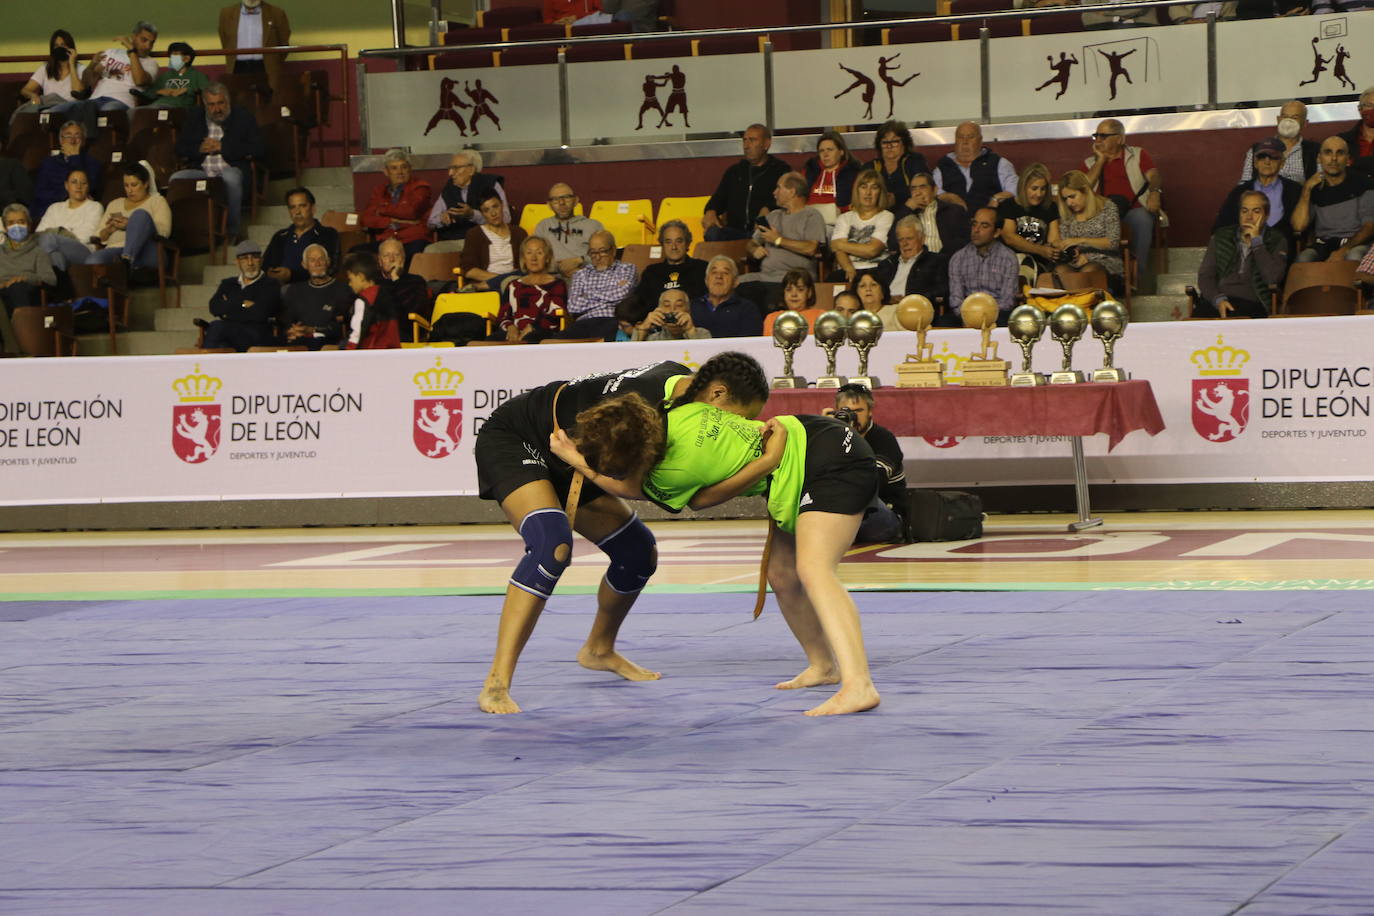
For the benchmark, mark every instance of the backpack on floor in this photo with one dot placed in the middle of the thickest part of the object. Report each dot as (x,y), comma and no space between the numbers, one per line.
(943,515)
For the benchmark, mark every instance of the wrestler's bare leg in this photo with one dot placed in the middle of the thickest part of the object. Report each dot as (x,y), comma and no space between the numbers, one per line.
(822,538)
(520,611)
(800,615)
(595,521)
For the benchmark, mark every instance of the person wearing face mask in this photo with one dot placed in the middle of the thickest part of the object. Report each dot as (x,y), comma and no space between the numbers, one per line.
(57,79)
(1360,137)
(113,75)
(23,265)
(180,85)
(245,306)
(68,228)
(1299,160)
(50,185)
(254,24)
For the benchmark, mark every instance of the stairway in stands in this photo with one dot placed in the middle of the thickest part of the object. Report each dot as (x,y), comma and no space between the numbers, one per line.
(1169,302)
(153,329)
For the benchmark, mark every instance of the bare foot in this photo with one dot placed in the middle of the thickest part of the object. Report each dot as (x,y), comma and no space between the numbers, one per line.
(811,677)
(495,698)
(848,699)
(617,664)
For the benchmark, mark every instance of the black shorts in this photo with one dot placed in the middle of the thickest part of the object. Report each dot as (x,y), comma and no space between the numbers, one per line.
(841,474)
(512,450)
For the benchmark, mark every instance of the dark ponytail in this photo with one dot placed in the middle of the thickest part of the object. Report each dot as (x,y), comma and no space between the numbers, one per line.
(739,372)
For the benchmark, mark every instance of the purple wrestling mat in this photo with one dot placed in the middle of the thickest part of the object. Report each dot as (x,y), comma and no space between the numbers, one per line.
(1060,753)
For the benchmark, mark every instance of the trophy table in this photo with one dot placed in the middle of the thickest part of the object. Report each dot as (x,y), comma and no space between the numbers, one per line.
(789,332)
(979,311)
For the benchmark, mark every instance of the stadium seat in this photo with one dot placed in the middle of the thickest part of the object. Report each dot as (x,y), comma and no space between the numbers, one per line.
(625,219)
(533,214)
(687,209)
(1321,288)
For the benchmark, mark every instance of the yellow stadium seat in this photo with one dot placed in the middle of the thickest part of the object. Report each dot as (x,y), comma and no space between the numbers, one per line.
(687,209)
(625,219)
(486,305)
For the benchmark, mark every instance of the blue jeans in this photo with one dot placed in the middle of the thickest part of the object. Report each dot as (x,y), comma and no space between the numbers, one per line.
(1142,223)
(140,244)
(233,192)
(63,250)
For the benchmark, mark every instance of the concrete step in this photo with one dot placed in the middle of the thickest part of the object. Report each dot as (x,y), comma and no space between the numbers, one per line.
(183,319)
(213,273)
(136,343)
(1185,260)
(1173,284)
(1159,308)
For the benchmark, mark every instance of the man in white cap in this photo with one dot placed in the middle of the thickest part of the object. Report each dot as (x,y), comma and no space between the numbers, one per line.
(246,306)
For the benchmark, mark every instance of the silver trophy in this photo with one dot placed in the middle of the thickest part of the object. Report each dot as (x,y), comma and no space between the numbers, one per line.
(1026,325)
(865,329)
(1067,325)
(1109,324)
(789,332)
(831,331)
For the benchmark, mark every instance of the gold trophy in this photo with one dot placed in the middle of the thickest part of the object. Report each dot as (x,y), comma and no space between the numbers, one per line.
(979,311)
(920,370)
(1109,324)
(865,329)
(1026,325)
(789,332)
(831,331)
(1067,325)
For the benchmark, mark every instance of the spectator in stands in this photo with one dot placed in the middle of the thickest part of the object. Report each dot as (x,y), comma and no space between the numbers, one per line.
(1338,204)
(885,519)
(50,184)
(220,141)
(254,24)
(973,176)
(399,208)
(1299,153)
(871,290)
(1271,9)
(671,319)
(677,270)
(1243,264)
(57,79)
(897,161)
(285,257)
(489,252)
(1283,194)
(859,239)
(798,291)
(455,208)
(246,306)
(596,289)
(374,324)
(24,266)
(314,309)
(790,240)
(721,312)
(984,265)
(847,303)
(68,227)
(112,76)
(15,185)
(743,196)
(944,224)
(830,176)
(1364,274)
(1089,231)
(180,85)
(407,292)
(1119,19)
(1030,223)
(133,223)
(567,12)
(915,271)
(642,15)
(1127,176)
(532,302)
(567,232)
(1360,137)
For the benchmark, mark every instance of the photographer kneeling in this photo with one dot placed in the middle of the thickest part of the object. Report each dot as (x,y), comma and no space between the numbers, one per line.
(884,521)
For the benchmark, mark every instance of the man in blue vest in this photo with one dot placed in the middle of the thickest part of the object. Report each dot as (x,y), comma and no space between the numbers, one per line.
(455,206)
(973,176)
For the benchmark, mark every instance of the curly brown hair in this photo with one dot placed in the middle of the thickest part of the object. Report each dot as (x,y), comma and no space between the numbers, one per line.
(622,437)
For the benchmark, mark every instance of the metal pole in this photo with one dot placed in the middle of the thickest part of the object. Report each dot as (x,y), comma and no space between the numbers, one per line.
(768,83)
(564,115)
(1212,59)
(398,23)
(1080,489)
(436,12)
(985,71)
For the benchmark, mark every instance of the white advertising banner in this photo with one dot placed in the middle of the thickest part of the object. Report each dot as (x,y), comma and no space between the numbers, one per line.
(1243,401)
(646,98)
(440,111)
(1296,57)
(934,81)
(1094,71)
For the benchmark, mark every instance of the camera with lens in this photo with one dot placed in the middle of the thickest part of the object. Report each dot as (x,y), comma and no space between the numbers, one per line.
(1068,255)
(847,416)
(670,318)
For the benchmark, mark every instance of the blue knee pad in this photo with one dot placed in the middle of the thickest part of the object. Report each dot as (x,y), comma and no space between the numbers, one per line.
(548,536)
(634,557)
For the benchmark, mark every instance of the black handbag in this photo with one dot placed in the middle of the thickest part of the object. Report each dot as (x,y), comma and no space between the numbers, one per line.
(943,515)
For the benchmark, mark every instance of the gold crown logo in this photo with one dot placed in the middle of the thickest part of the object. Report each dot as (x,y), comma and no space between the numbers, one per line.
(1220,359)
(687,361)
(438,382)
(953,363)
(197,388)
